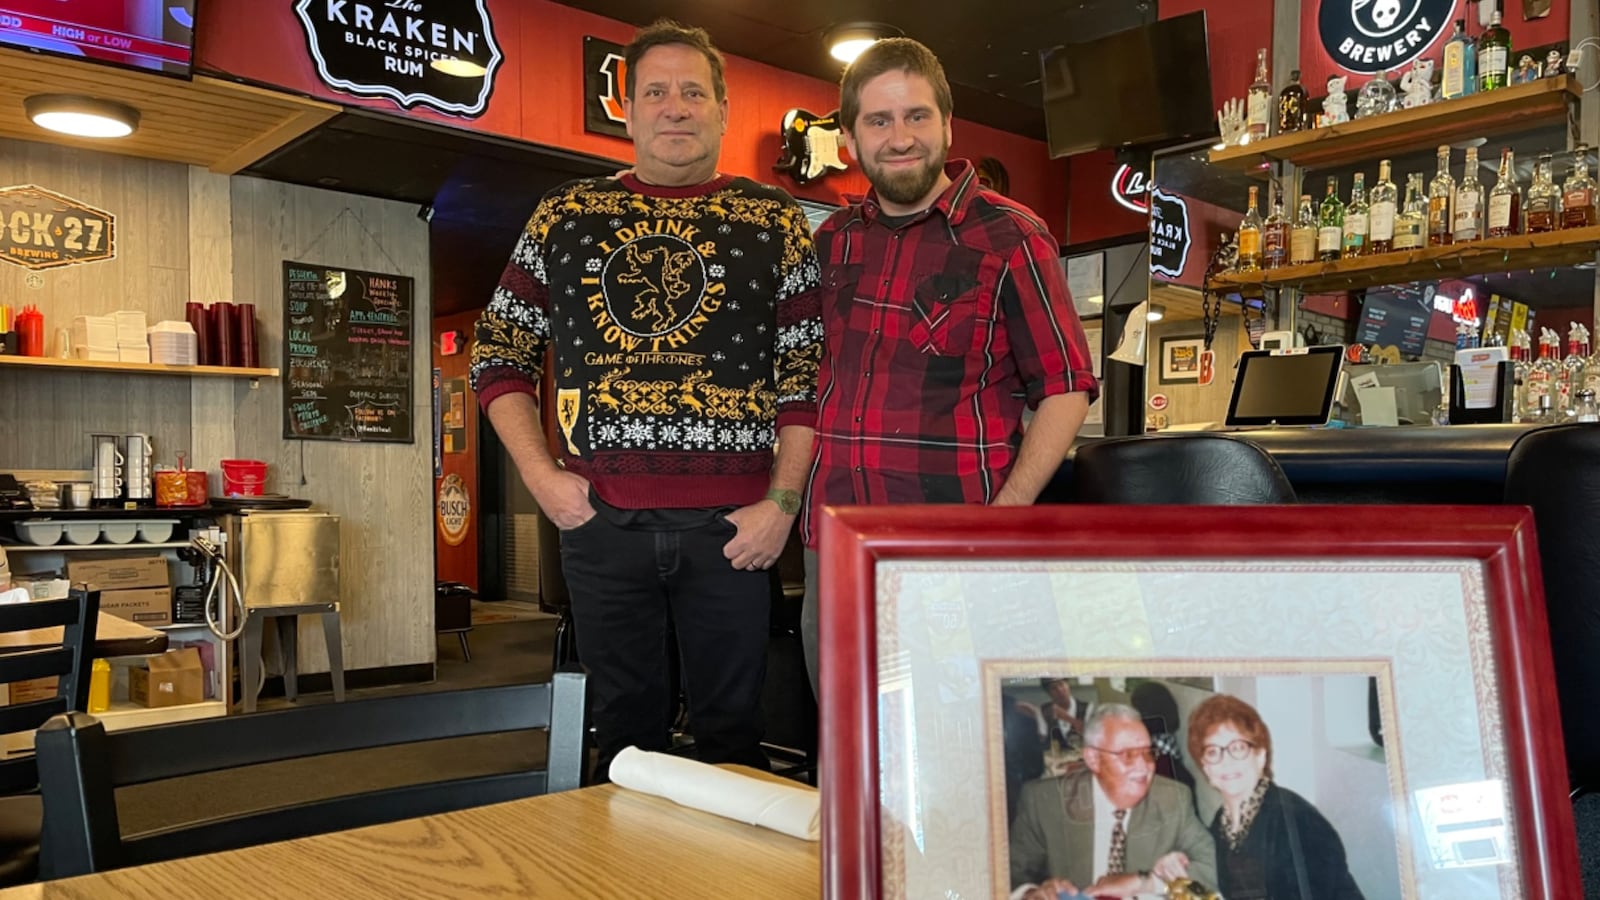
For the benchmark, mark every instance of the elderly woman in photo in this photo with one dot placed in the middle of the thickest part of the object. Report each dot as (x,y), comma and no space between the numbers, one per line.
(1271,842)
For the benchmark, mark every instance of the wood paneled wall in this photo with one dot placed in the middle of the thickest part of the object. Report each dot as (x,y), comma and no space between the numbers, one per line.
(1188,402)
(382,492)
(47,415)
(186,233)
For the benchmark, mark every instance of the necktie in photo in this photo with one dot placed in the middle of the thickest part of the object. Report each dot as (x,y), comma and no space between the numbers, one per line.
(1117,859)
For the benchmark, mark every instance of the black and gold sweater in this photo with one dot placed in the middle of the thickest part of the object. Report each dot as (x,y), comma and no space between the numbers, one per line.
(685,329)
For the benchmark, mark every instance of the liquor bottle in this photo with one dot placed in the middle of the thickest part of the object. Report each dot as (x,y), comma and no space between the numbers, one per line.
(1569,379)
(1356,221)
(1380,237)
(1541,377)
(1584,408)
(1330,224)
(1411,225)
(1519,378)
(1441,203)
(1494,56)
(1591,372)
(1303,238)
(1258,103)
(1292,105)
(1275,237)
(1469,208)
(1455,80)
(1577,195)
(1544,198)
(1505,201)
(1250,237)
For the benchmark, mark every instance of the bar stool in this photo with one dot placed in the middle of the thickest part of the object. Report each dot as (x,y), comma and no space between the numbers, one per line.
(287,620)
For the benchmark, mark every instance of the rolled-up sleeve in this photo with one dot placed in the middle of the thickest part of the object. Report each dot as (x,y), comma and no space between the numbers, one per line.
(1042,326)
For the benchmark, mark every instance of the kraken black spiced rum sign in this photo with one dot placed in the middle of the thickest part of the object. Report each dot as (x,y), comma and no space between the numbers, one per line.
(435,53)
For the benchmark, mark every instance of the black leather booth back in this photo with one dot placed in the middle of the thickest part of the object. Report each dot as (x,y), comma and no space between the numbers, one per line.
(1557,472)
(1200,469)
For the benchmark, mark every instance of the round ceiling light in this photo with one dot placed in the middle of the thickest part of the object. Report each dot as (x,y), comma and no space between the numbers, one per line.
(460,68)
(81,116)
(846,42)
(1155,313)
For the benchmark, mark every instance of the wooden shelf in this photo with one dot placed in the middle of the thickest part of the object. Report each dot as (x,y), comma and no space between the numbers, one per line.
(1523,251)
(88,365)
(1515,108)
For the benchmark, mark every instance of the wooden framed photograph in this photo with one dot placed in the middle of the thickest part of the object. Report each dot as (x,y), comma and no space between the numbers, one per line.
(1289,701)
(1180,359)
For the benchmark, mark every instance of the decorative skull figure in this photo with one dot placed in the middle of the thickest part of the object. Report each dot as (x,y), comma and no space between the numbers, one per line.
(1385,13)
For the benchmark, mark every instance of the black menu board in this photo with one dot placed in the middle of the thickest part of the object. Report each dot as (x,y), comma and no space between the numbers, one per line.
(347,345)
(1390,321)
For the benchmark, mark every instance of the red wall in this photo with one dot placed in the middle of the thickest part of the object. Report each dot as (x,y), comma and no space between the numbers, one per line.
(1092,214)
(1316,65)
(458,563)
(538,95)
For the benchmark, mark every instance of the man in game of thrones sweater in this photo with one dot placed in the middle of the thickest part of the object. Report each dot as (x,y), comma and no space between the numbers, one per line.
(679,312)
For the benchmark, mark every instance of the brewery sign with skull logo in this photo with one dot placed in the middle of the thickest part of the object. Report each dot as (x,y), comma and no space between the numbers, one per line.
(1378,35)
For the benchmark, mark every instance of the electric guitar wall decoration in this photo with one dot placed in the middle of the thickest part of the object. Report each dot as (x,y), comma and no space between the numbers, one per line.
(810,145)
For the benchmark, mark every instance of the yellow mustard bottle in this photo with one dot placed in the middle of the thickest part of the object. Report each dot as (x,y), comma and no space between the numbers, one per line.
(100,687)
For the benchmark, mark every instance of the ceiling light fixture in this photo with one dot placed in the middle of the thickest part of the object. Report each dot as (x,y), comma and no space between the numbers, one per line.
(460,68)
(1156,313)
(845,42)
(81,116)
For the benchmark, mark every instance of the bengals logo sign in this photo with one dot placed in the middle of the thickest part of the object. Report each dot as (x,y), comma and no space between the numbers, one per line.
(605,79)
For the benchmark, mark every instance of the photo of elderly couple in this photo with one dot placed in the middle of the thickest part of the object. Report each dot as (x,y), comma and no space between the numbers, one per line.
(1253,787)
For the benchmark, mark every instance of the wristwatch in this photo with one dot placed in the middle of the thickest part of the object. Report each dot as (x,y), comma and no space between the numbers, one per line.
(788,501)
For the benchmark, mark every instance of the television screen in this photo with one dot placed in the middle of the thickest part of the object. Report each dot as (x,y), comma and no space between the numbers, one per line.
(157,35)
(1145,87)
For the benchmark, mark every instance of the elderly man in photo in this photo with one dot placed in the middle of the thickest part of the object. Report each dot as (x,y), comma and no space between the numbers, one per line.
(1116,828)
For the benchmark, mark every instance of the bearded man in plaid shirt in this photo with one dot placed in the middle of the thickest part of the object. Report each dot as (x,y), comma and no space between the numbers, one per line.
(945,315)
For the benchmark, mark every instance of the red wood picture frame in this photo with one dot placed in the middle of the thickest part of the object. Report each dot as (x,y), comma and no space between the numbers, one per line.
(854,540)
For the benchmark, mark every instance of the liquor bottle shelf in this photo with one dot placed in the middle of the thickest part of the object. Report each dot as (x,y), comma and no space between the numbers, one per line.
(1515,108)
(86,365)
(1522,251)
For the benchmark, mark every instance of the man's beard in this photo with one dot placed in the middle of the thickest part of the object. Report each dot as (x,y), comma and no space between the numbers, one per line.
(906,187)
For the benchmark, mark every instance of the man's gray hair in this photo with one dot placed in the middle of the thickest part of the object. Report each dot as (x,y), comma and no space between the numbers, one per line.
(1094,728)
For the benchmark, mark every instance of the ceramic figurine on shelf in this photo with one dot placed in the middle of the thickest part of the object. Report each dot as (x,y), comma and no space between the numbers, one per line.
(1417,84)
(1552,64)
(1335,107)
(1231,124)
(1526,72)
(1376,97)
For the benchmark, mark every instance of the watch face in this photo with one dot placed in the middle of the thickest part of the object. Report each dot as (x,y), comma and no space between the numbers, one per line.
(788,501)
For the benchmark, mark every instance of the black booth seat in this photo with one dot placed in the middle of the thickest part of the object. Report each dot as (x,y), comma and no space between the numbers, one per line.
(1455,464)
(1198,469)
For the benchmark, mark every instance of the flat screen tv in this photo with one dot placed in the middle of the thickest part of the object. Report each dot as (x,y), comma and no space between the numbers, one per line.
(154,35)
(1146,87)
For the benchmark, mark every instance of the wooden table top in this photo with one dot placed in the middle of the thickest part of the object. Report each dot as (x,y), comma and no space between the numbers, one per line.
(591,843)
(113,637)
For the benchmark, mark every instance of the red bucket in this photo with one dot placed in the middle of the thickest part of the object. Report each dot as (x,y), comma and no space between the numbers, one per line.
(243,477)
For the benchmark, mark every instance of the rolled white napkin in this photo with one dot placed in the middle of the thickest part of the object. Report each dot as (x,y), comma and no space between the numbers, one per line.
(791,810)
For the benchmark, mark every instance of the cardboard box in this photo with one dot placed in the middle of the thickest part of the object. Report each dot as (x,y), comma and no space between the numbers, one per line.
(146,606)
(171,679)
(119,574)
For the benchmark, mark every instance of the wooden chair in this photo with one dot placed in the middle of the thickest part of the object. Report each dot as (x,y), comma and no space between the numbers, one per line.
(80,766)
(67,657)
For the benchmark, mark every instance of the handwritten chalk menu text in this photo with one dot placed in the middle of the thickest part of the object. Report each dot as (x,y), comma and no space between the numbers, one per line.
(347,340)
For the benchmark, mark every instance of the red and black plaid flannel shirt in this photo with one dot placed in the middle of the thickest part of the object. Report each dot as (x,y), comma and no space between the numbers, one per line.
(937,335)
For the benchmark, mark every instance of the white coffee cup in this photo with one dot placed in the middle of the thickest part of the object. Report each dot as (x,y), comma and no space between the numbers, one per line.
(81,495)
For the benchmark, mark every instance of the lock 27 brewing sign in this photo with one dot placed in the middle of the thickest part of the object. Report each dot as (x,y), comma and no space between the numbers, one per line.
(1377,35)
(42,229)
(436,53)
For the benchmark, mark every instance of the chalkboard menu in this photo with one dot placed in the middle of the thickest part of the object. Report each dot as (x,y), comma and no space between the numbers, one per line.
(347,342)
(1390,321)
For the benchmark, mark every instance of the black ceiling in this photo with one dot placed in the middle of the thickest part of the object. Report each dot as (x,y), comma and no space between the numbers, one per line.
(990,51)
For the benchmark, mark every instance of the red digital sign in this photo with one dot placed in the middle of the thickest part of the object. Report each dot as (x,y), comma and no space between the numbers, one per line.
(145,34)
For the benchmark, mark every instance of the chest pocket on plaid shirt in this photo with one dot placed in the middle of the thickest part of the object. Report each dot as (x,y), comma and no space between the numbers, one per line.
(839,284)
(948,303)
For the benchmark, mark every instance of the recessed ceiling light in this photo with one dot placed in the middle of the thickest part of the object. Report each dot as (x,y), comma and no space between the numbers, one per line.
(1156,313)
(846,42)
(81,116)
(461,68)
